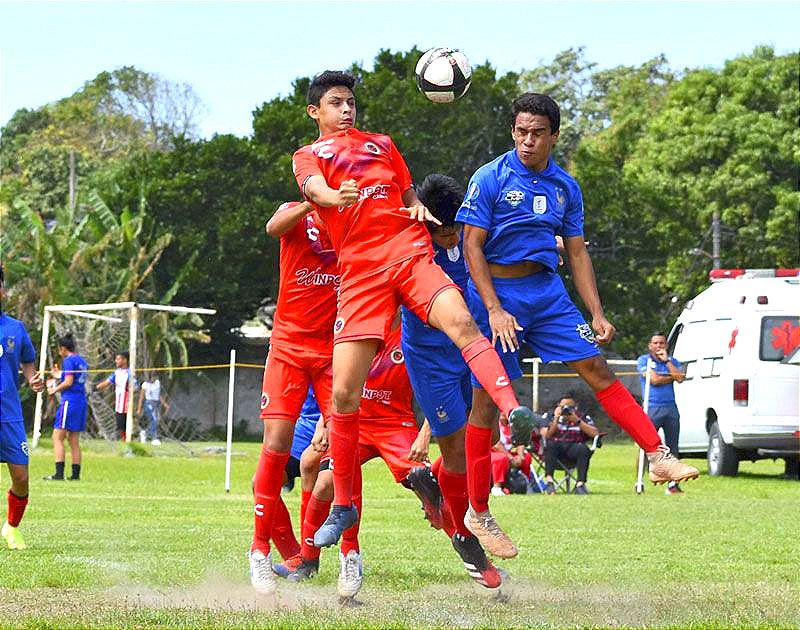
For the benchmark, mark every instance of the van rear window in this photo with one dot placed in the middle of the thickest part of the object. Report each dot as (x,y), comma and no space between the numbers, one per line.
(779,336)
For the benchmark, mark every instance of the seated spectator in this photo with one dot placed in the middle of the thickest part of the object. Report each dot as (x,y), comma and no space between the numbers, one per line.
(507,458)
(565,439)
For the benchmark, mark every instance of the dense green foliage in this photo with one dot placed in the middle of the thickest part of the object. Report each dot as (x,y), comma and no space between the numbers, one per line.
(655,153)
(156,542)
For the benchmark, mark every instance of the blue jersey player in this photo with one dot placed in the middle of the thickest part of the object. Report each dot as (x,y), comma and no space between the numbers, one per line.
(70,419)
(514,207)
(441,383)
(16,353)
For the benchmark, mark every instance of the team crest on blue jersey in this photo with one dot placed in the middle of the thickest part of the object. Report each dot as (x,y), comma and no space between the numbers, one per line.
(10,344)
(441,413)
(515,197)
(585,332)
(539,204)
(453,254)
(560,198)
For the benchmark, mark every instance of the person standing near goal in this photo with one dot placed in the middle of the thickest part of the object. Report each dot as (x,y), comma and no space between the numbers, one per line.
(363,190)
(70,419)
(119,379)
(299,356)
(513,209)
(16,352)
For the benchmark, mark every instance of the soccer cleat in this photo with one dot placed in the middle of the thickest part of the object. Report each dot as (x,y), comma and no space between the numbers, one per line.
(425,486)
(581,489)
(664,466)
(13,538)
(489,534)
(521,415)
(73,478)
(673,488)
(295,569)
(156,442)
(497,491)
(261,576)
(338,520)
(479,567)
(351,574)
(54,478)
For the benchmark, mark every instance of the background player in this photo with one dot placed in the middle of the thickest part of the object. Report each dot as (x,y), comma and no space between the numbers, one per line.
(70,418)
(16,351)
(513,209)
(299,355)
(121,399)
(441,379)
(363,188)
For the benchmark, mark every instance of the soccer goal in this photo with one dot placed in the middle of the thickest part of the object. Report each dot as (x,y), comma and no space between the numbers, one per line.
(103,330)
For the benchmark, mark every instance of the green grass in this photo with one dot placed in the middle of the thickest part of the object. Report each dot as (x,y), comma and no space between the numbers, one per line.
(156,542)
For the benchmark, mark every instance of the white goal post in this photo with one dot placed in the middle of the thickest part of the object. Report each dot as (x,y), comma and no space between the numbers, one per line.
(90,311)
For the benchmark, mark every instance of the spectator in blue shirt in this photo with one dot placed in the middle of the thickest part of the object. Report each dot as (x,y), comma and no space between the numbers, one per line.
(664,371)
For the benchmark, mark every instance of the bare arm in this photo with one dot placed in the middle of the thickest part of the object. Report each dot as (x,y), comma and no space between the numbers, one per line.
(588,429)
(102,385)
(416,208)
(419,449)
(285,218)
(65,384)
(33,377)
(317,190)
(580,264)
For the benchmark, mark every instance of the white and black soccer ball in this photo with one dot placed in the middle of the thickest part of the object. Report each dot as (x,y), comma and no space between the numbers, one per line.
(443,74)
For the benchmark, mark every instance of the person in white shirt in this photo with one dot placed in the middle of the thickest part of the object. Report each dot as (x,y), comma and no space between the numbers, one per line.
(120,381)
(151,401)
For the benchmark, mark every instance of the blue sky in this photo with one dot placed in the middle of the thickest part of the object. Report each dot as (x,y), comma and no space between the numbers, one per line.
(236,55)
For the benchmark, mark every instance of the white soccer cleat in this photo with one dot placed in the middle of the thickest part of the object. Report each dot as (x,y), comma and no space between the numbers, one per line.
(497,491)
(156,442)
(350,574)
(261,576)
(12,537)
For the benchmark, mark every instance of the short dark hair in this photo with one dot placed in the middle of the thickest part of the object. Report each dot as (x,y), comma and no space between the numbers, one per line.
(326,80)
(442,195)
(67,341)
(569,394)
(125,354)
(658,333)
(541,104)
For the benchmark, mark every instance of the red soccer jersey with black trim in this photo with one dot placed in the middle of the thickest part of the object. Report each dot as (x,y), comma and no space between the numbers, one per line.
(373,233)
(387,393)
(309,282)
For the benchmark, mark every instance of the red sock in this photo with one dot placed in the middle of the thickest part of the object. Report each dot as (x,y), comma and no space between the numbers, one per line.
(478,446)
(343,438)
(305,495)
(16,508)
(485,364)
(626,412)
(316,513)
(267,491)
(350,535)
(282,532)
(500,467)
(454,491)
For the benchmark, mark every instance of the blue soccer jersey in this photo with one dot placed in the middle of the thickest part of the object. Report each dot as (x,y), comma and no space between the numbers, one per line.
(659,394)
(76,365)
(522,210)
(417,332)
(306,425)
(15,348)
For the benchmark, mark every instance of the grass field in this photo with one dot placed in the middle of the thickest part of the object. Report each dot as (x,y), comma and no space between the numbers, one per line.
(155,542)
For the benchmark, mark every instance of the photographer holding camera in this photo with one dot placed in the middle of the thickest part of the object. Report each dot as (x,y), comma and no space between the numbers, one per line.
(565,439)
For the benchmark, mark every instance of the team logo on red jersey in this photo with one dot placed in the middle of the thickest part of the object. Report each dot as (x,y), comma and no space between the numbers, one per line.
(338,325)
(372,148)
(316,278)
(264,400)
(379,191)
(396,356)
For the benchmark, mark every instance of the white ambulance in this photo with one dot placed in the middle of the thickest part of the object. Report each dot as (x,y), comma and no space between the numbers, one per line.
(738,341)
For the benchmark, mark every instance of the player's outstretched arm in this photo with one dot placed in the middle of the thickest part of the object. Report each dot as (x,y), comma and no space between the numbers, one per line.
(503,324)
(286,217)
(416,209)
(316,189)
(580,263)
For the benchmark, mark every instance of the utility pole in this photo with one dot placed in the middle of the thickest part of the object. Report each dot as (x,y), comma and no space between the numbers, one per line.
(715,240)
(72,185)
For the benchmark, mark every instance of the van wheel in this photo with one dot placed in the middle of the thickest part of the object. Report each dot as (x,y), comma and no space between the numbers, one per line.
(793,468)
(722,458)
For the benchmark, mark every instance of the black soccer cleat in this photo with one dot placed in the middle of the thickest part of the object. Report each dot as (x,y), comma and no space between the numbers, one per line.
(424,484)
(479,567)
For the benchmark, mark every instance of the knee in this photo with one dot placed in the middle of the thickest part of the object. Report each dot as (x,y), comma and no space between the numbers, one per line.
(278,436)
(346,400)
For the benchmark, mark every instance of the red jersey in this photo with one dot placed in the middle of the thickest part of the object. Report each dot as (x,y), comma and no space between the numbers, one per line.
(372,234)
(387,393)
(309,283)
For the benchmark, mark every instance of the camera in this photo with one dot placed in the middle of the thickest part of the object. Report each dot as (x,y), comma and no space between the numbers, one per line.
(567,410)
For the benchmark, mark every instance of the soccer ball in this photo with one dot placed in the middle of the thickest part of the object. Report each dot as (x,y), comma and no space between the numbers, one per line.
(443,74)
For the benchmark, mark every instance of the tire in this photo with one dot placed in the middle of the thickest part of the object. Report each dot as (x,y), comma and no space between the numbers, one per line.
(722,458)
(792,468)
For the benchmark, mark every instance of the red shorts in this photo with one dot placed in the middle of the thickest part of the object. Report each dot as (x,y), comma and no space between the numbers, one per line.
(389,440)
(287,376)
(368,304)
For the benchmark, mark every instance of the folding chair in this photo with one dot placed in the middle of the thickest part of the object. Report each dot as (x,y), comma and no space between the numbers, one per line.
(568,467)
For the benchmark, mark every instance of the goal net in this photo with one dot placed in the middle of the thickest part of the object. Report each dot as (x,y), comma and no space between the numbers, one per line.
(149,334)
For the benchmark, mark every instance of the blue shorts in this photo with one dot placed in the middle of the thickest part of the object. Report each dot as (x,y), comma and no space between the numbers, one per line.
(13,443)
(303,432)
(440,380)
(552,326)
(71,414)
